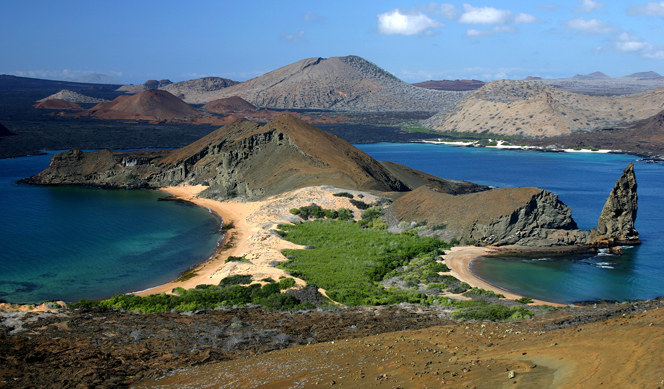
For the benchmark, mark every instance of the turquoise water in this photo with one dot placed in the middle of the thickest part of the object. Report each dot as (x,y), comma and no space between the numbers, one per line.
(71,243)
(583,182)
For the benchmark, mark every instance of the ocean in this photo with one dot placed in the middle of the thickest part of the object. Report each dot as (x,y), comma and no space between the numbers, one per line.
(73,243)
(70,243)
(583,181)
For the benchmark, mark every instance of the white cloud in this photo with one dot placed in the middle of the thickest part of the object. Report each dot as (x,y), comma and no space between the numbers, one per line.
(484,15)
(405,22)
(630,43)
(313,17)
(651,9)
(524,18)
(658,54)
(448,11)
(473,33)
(592,26)
(294,37)
(587,6)
(490,15)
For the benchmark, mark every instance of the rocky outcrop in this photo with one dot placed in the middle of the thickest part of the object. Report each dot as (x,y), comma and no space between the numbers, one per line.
(242,159)
(509,216)
(190,90)
(4,131)
(616,223)
(227,105)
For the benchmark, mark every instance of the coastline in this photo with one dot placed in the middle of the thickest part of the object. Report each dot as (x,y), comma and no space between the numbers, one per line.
(458,260)
(252,236)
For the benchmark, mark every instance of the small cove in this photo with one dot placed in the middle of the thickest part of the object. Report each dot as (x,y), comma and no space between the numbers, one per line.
(583,182)
(71,243)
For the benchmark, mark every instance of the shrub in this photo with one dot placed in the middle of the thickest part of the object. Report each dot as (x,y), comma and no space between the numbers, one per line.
(360,204)
(232,258)
(492,313)
(286,283)
(239,279)
(524,300)
(343,194)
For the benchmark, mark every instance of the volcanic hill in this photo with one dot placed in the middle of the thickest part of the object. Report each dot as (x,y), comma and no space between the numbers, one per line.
(229,105)
(149,84)
(338,83)
(533,109)
(57,104)
(189,90)
(599,84)
(73,97)
(152,104)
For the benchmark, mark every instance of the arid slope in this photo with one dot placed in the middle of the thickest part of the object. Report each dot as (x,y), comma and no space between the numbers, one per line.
(532,109)
(338,83)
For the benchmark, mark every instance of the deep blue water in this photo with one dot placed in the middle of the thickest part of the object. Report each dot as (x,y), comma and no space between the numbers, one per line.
(71,243)
(583,182)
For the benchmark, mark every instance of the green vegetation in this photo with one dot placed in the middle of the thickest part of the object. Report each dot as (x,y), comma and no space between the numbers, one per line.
(232,258)
(349,261)
(524,300)
(230,291)
(343,194)
(482,292)
(316,212)
(492,312)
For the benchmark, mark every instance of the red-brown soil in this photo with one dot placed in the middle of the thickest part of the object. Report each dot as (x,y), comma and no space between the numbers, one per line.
(231,104)
(57,104)
(449,85)
(617,353)
(149,105)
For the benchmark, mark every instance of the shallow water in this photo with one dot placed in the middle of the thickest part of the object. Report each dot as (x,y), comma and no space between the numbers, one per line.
(71,243)
(583,181)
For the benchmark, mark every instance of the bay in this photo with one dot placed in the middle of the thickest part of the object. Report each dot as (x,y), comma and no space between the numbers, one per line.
(69,243)
(583,181)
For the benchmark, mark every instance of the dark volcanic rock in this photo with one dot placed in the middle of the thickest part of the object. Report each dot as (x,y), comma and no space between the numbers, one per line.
(616,223)
(4,131)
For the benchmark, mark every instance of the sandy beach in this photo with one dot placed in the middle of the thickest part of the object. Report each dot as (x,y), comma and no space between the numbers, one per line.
(253,238)
(458,260)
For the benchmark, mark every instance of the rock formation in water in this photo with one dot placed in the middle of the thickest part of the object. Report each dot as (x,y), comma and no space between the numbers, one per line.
(616,223)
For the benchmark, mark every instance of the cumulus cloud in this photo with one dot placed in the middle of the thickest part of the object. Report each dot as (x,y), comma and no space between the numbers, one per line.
(587,6)
(484,15)
(592,26)
(313,17)
(650,9)
(630,43)
(473,33)
(448,11)
(490,15)
(403,22)
(656,54)
(294,37)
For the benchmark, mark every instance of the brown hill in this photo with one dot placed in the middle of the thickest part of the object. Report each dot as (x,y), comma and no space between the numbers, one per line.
(57,104)
(243,159)
(152,104)
(337,83)
(523,216)
(449,85)
(533,109)
(229,105)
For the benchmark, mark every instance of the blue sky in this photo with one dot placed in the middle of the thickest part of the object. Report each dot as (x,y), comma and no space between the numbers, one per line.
(416,41)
